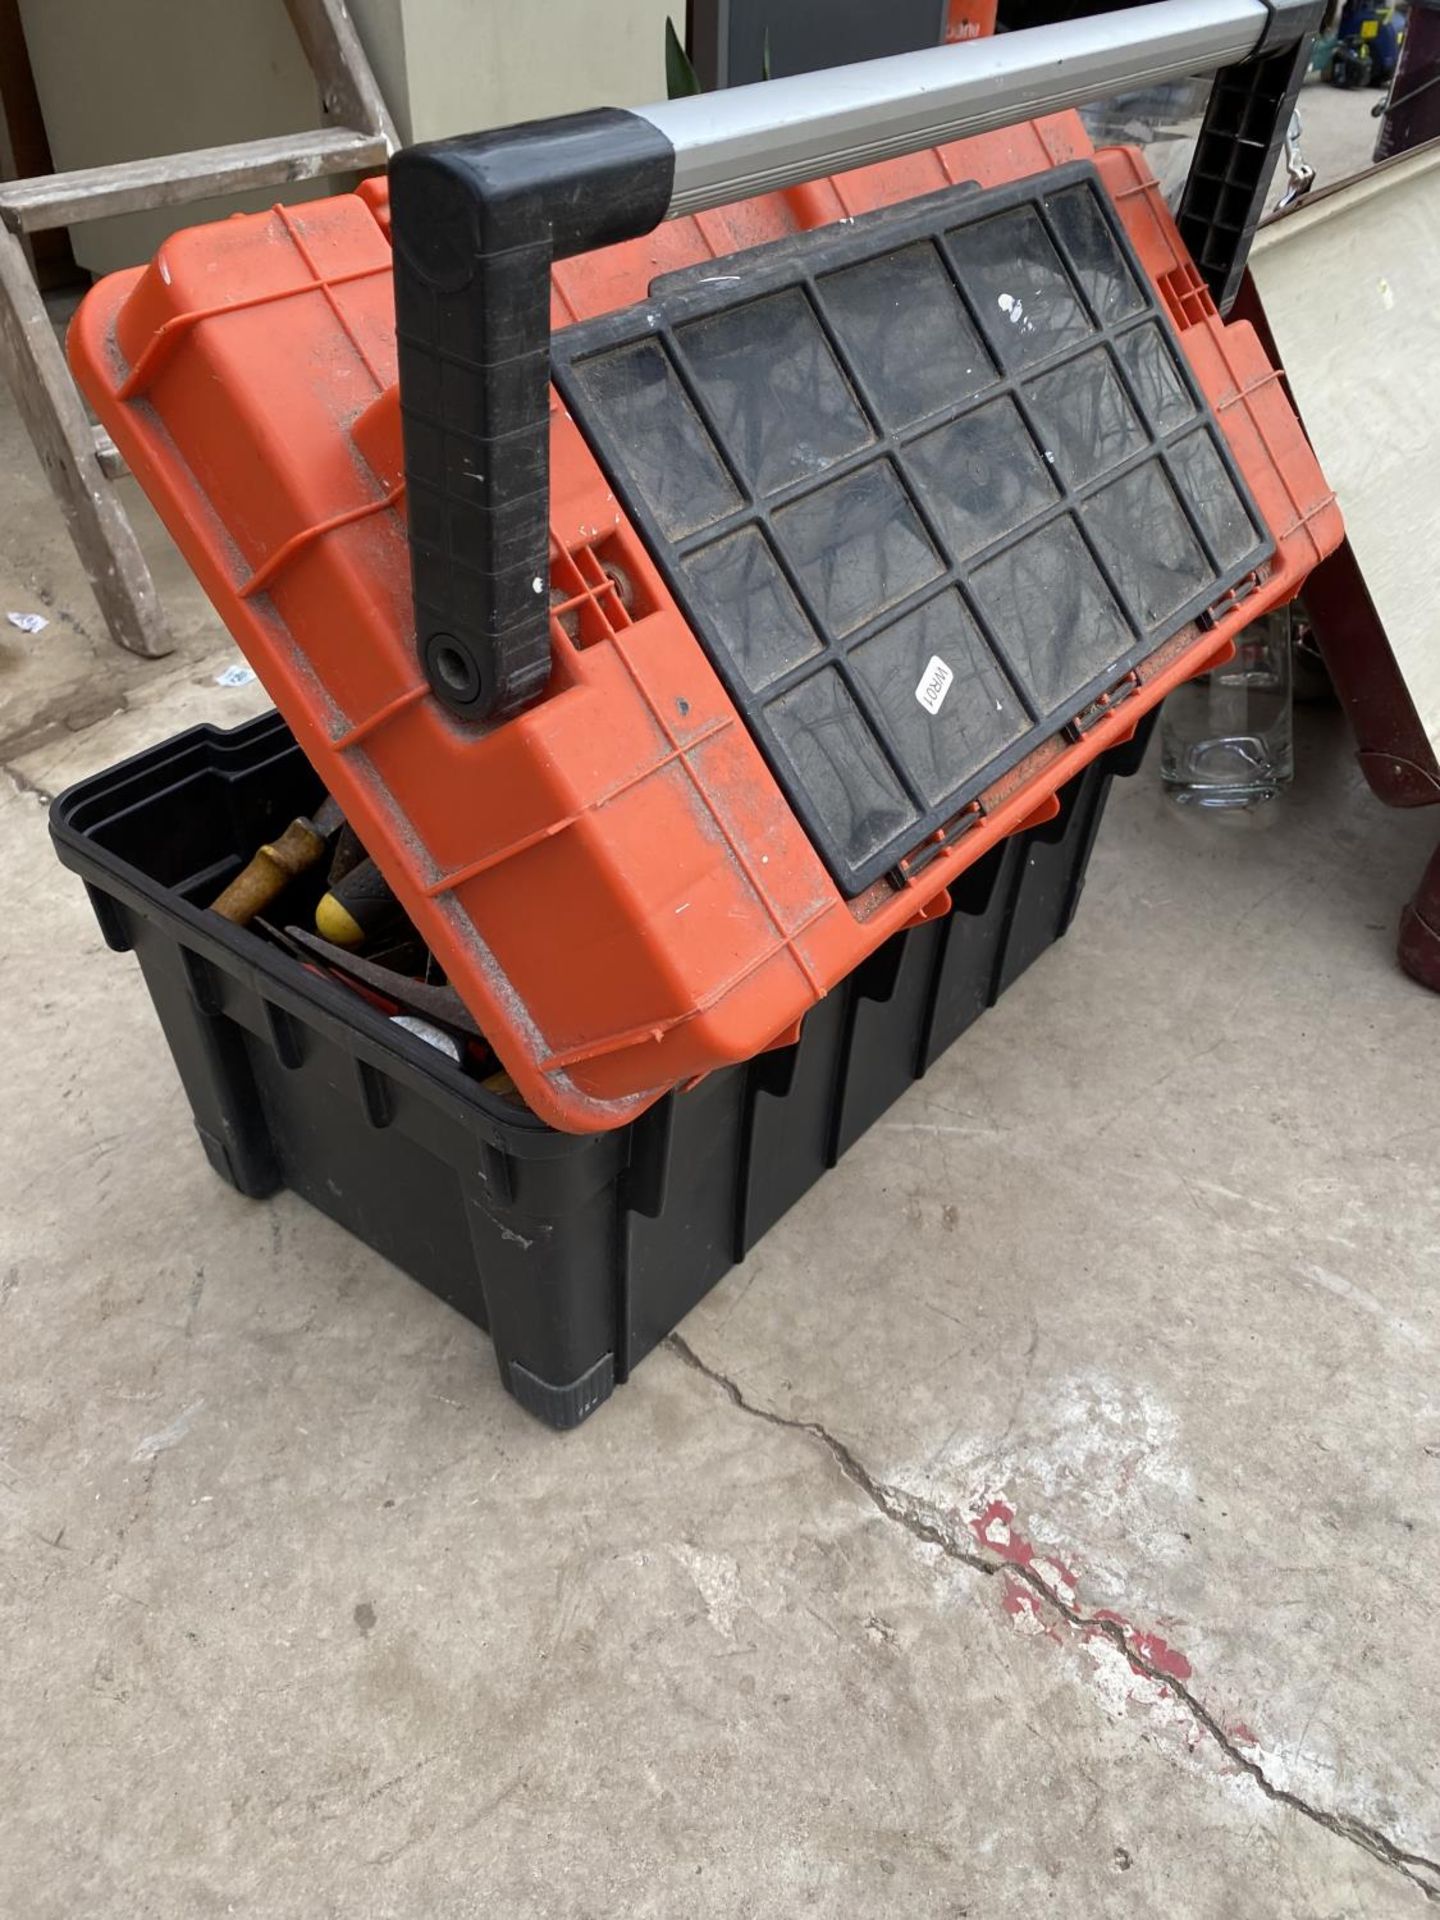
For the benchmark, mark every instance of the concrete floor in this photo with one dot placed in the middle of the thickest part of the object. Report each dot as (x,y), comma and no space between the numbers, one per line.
(1337,133)
(1043,1519)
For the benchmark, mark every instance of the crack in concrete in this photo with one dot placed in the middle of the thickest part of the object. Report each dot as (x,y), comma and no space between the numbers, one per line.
(65,716)
(924,1525)
(22,783)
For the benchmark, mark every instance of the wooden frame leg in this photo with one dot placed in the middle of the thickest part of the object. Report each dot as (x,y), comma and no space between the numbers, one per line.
(349,93)
(52,409)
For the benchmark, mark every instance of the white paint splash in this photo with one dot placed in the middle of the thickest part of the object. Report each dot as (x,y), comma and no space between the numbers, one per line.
(1026,1617)
(1355,1295)
(1091,1458)
(717,1581)
(1121,1688)
(168,1437)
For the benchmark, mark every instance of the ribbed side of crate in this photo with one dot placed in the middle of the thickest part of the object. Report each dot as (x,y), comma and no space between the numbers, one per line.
(577,1253)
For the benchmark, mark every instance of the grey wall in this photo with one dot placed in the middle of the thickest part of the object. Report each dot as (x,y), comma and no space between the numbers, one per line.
(124,79)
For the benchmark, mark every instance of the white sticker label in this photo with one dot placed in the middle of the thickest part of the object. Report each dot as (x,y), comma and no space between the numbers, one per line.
(935,683)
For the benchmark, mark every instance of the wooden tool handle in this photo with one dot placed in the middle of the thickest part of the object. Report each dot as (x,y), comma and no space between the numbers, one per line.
(273,868)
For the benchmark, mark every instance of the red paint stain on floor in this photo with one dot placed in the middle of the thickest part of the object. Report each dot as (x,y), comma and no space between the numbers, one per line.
(1153,1648)
(995,1530)
(1161,1655)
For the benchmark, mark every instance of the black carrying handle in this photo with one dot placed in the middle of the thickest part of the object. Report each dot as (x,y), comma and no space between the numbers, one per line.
(476,223)
(1247,117)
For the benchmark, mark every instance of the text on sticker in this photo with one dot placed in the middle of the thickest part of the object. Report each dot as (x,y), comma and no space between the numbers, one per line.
(935,683)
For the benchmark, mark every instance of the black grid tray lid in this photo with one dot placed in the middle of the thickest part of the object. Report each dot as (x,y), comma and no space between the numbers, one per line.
(925,484)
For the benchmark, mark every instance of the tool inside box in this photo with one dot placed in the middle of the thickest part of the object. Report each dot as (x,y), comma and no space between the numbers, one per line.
(925,484)
(391,968)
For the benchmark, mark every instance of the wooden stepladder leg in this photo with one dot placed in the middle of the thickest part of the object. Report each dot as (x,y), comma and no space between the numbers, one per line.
(54,413)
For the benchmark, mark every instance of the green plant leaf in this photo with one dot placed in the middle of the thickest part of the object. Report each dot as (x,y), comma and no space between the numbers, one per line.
(680,77)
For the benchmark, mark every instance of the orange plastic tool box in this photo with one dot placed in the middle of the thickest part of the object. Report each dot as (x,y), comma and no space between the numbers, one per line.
(877,508)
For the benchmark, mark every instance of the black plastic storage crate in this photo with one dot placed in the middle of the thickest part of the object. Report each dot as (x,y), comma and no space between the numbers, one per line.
(577,1253)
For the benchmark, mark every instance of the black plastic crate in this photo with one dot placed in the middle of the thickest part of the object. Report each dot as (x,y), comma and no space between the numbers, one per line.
(577,1253)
